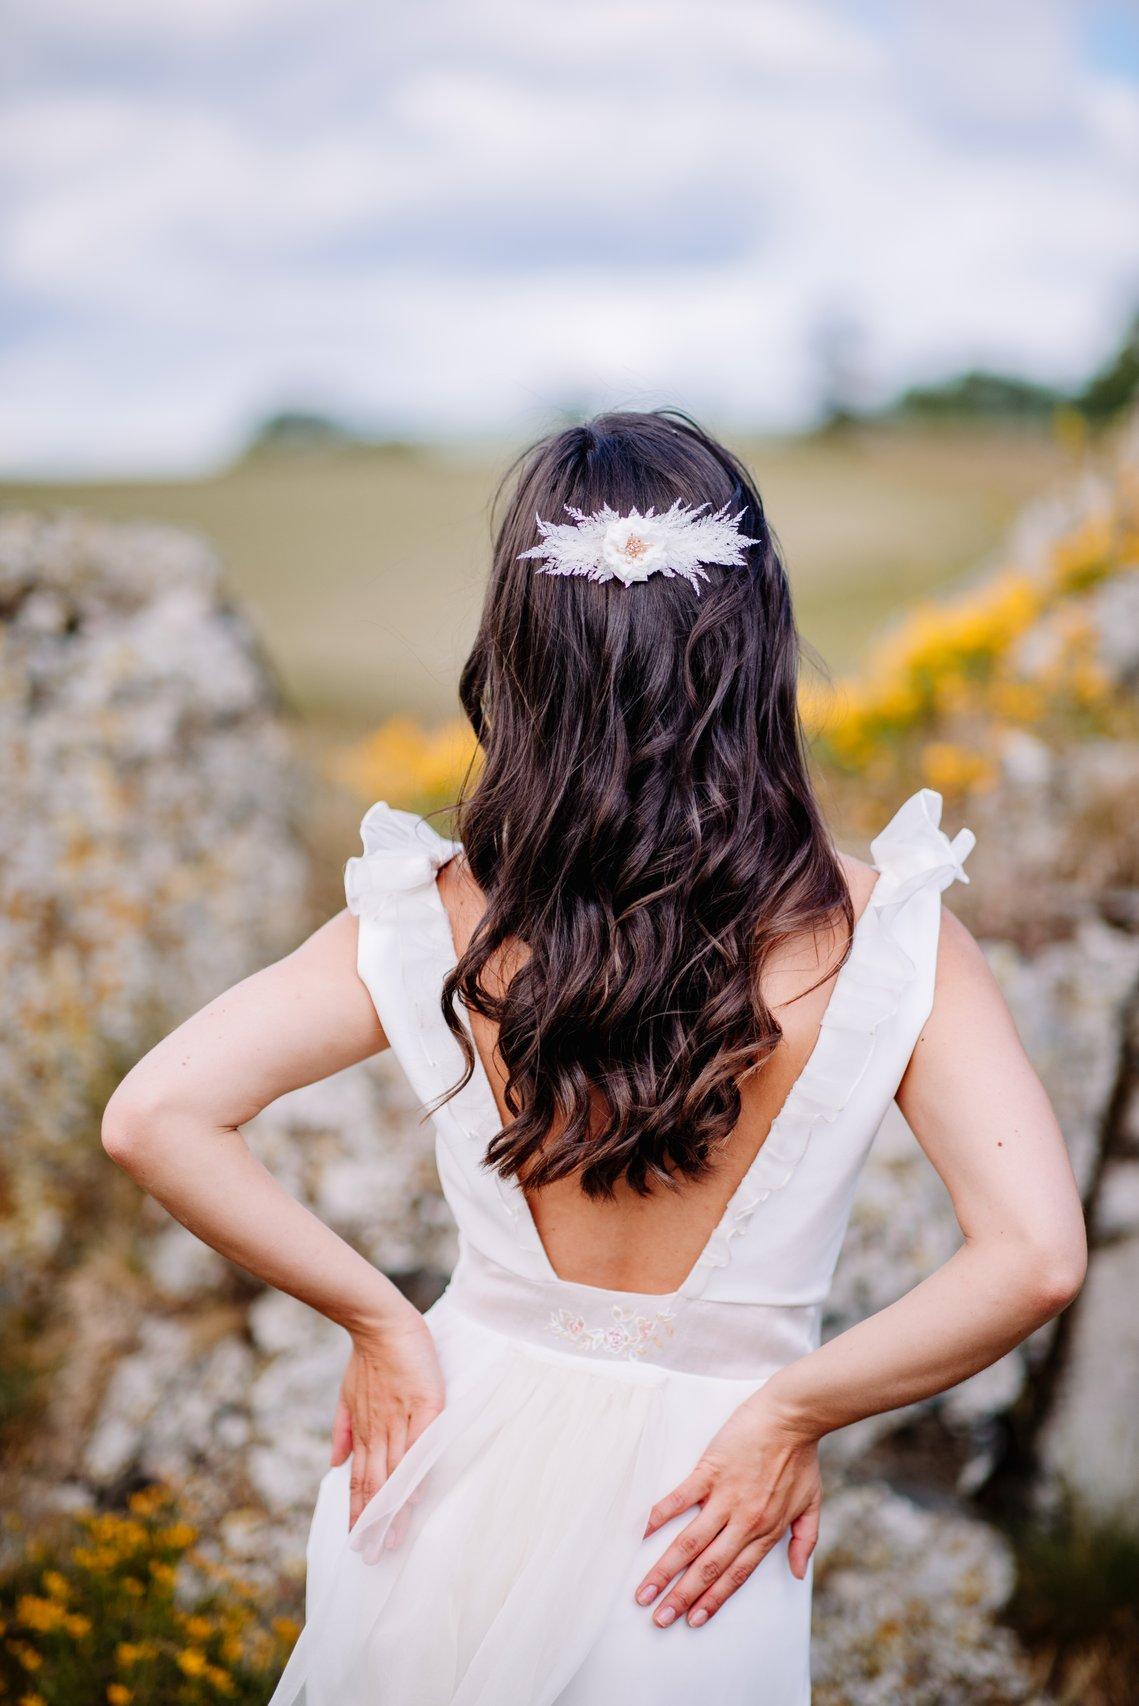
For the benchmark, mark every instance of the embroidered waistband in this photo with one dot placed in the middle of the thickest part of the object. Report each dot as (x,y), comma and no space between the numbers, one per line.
(693,1335)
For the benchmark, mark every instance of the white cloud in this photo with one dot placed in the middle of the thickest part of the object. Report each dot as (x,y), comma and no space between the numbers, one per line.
(460,215)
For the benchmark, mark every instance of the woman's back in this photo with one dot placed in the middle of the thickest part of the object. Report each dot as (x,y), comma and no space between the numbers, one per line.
(649,1243)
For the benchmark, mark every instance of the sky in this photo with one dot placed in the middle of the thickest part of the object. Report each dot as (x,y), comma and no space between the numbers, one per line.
(457,217)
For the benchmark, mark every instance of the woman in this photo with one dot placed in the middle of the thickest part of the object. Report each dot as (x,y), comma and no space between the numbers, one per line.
(658,1020)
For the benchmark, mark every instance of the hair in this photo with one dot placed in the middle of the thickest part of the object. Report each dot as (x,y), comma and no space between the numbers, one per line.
(642,826)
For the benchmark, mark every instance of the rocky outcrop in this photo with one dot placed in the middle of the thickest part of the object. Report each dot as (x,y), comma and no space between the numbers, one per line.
(906,1607)
(147,840)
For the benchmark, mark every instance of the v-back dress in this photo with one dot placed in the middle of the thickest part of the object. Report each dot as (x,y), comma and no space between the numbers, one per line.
(497,1565)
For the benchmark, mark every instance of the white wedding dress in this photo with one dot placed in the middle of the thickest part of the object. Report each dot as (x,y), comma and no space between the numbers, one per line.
(498,1564)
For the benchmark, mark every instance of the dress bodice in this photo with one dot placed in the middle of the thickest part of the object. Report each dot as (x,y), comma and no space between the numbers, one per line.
(778,1240)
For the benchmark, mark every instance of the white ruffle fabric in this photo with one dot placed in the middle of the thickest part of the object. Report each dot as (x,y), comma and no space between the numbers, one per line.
(497,1565)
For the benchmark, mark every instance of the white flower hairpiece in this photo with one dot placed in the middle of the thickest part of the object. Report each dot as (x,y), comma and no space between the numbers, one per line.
(607,546)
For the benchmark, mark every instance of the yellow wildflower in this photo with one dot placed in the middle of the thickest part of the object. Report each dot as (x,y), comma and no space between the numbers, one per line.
(78,1626)
(178,1537)
(1016,701)
(148,1501)
(163,1573)
(221,1679)
(953,769)
(287,1628)
(28,1657)
(128,1653)
(56,1584)
(39,1614)
(120,1534)
(1090,686)
(191,1662)
(118,1694)
(1079,559)
(134,1587)
(32,1700)
(198,1628)
(816,704)
(404,762)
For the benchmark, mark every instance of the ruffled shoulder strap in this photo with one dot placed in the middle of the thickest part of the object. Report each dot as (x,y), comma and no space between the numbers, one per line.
(913,851)
(402,853)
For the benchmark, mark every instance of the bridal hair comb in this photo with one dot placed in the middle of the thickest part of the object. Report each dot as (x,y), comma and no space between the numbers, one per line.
(606,546)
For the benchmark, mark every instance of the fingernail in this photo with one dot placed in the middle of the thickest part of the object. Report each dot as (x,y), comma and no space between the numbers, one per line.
(646,1595)
(698,1618)
(665,1616)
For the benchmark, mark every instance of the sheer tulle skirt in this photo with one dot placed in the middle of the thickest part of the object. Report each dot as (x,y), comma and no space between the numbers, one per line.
(497,1565)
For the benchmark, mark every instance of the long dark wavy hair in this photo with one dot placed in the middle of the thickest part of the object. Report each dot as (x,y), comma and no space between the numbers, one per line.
(642,826)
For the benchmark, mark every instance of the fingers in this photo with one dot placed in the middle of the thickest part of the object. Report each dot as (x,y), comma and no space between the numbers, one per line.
(341,1434)
(682,1498)
(397,1441)
(397,1449)
(687,1546)
(372,1465)
(729,1581)
(804,1538)
(723,1567)
(369,1472)
(420,1420)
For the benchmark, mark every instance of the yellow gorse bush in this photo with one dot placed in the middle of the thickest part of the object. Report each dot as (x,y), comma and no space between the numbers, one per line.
(939,695)
(120,1609)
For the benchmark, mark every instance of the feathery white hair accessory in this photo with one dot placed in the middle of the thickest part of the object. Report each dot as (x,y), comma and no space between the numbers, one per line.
(607,546)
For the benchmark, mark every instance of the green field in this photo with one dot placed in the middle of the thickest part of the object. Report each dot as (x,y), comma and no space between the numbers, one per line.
(364,568)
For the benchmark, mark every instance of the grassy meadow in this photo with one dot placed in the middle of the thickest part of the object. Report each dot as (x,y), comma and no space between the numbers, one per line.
(364,568)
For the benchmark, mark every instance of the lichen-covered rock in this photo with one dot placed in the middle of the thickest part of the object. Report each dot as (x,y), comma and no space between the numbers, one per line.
(1089,1444)
(164,1407)
(906,1601)
(147,843)
(358,1151)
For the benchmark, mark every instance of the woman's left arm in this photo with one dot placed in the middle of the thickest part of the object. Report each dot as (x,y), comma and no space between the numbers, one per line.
(982,1116)
(174,1125)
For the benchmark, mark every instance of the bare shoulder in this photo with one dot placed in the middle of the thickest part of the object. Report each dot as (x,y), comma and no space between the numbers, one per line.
(860,880)
(464,900)
(962,969)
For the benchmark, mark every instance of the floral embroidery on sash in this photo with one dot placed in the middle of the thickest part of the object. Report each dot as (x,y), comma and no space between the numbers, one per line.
(627,1335)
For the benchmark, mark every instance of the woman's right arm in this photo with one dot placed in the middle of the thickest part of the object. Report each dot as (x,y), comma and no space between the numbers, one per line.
(982,1116)
(978,1109)
(174,1125)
